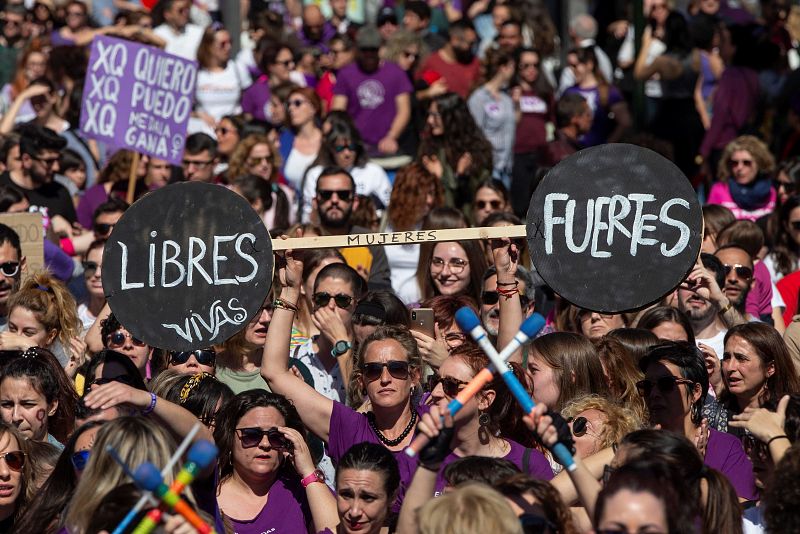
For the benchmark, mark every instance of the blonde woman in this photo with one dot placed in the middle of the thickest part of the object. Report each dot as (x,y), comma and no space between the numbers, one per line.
(597,423)
(472,507)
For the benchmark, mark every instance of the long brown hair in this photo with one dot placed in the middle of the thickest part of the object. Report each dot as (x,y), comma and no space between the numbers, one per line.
(477,266)
(411,187)
(622,374)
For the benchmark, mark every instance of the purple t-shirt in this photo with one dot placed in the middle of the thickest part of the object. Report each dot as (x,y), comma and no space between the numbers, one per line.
(255,100)
(371,97)
(286,511)
(602,124)
(348,427)
(538,466)
(725,454)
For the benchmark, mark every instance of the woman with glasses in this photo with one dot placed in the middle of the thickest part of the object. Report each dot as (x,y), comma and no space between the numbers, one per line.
(36,396)
(451,268)
(92,274)
(193,361)
(43,512)
(674,387)
(298,151)
(343,148)
(31,65)
(598,423)
(219,81)
(116,337)
(595,325)
(268,480)
(490,197)
(744,175)
(389,364)
(257,155)
(42,313)
(16,474)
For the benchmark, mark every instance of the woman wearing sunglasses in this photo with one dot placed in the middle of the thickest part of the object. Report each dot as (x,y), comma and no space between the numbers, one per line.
(36,396)
(674,387)
(42,314)
(342,147)
(304,112)
(193,361)
(117,338)
(92,274)
(597,423)
(45,509)
(490,197)
(389,364)
(268,480)
(744,175)
(16,476)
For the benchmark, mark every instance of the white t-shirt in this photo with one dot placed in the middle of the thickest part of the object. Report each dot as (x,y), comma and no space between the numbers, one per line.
(183,44)
(296,165)
(717,343)
(86,317)
(403,260)
(219,93)
(370,179)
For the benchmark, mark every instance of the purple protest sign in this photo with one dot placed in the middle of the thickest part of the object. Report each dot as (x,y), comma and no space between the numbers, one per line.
(138,97)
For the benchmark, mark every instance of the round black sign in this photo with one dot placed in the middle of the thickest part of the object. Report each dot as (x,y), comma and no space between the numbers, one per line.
(614,227)
(187,266)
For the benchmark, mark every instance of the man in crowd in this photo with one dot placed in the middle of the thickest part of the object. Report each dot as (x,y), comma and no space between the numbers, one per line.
(316,31)
(376,94)
(573,119)
(107,215)
(182,37)
(199,158)
(11,40)
(334,204)
(339,19)
(159,172)
(582,32)
(456,61)
(417,19)
(490,298)
(738,268)
(510,36)
(12,264)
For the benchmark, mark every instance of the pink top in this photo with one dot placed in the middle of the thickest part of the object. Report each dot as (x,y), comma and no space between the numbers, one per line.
(721,194)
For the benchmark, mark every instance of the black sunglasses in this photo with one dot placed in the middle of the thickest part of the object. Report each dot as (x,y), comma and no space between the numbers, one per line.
(103,228)
(352,147)
(579,426)
(789,187)
(742,271)
(322,299)
(397,369)
(203,356)
(117,340)
(344,195)
(90,267)
(794,224)
(252,436)
(9,268)
(15,460)
(494,204)
(490,298)
(665,384)
(451,386)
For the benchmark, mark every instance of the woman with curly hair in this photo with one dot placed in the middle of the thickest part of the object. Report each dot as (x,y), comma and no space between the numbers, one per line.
(256,155)
(454,150)
(597,423)
(744,171)
(415,193)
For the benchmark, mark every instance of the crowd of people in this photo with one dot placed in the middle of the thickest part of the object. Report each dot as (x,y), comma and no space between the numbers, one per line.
(339,117)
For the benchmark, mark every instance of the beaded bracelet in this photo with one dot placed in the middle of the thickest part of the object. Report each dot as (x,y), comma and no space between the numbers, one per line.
(152,406)
(284,304)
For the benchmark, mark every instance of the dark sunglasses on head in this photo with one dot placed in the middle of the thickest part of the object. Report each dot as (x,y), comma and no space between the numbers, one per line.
(450,386)
(9,268)
(493,204)
(15,460)
(80,459)
(326,194)
(117,340)
(397,369)
(490,298)
(665,384)
(123,379)
(90,267)
(203,356)
(322,299)
(742,271)
(352,147)
(103,228)
(252,436)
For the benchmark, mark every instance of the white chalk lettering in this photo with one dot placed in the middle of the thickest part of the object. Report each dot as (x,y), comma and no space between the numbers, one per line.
(247,257)
(167,260)
(219,258)
(683,240)
(218,317)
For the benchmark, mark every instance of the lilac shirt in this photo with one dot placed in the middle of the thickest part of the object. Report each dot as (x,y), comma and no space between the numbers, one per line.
(286,511)
(725,454)
(371,97)
(538,466)
(255,99)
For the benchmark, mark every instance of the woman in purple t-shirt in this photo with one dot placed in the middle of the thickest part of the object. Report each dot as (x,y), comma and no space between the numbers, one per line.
(675,387)
(268,481)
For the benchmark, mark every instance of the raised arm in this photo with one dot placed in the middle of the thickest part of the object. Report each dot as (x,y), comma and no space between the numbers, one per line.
(505,255)
(315,409)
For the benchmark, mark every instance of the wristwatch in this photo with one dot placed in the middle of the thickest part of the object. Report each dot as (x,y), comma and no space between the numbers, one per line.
(340,347)
(315,476)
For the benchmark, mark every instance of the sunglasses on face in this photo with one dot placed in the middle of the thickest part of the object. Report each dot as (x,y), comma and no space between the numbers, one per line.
(253,161)
(794,224)
(493,204)
(296,103)
(580,426)
(665,384)
(788,187)
(286,64)
(197,163)
(742,271)
(251,437)
(90,267)
(322,299)
(344,195)
(80,459)
(397,369)
(523,66)
(411,55)
(103,228)
(490,298)
(117,340)
(450,386)
(203,357)
(9,268)
(15,460)
(341,148)
(736,162)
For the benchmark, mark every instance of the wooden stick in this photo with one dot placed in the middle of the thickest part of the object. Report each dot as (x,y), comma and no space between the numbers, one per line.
(398,238)
(132,178)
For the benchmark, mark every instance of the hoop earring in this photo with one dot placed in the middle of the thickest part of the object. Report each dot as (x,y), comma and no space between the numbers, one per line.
(483,427)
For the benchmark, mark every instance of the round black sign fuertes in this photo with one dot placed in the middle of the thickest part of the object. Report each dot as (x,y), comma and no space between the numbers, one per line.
(187,266)
(614,227)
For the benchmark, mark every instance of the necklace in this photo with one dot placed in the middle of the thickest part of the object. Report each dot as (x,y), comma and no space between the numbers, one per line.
(392,442)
